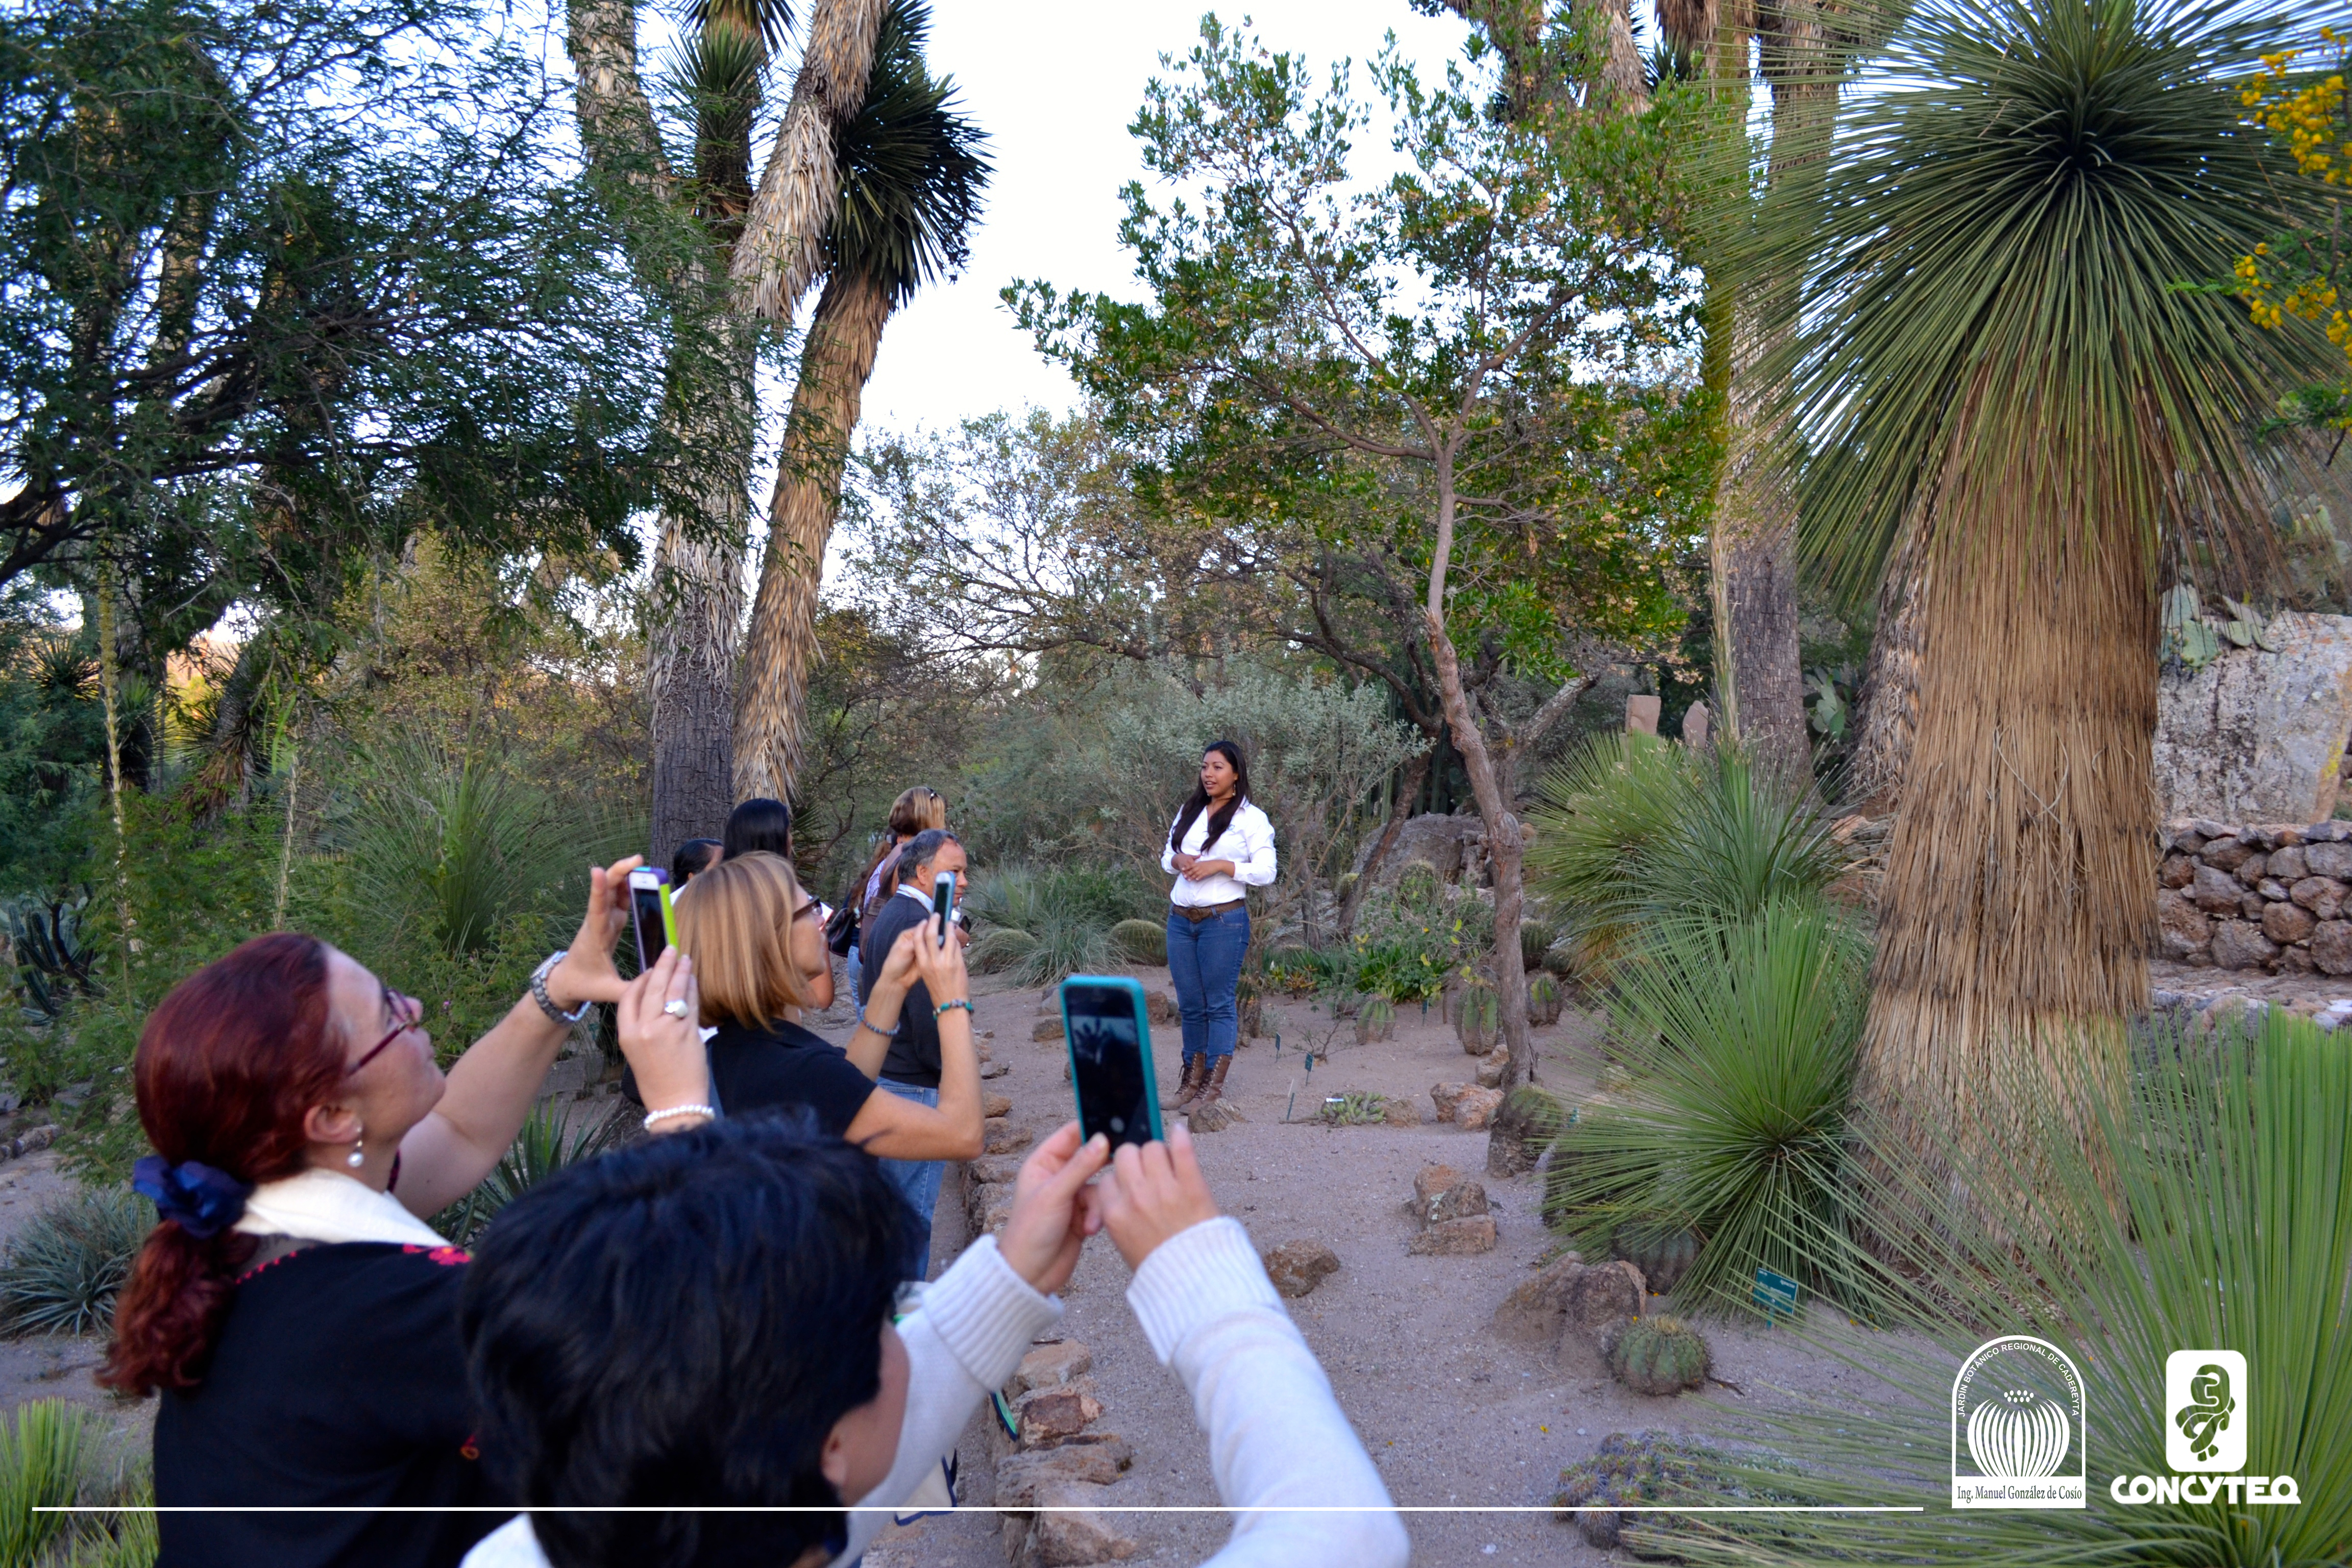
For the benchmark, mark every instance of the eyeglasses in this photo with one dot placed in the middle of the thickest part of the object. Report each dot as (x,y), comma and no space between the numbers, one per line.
(394,1004)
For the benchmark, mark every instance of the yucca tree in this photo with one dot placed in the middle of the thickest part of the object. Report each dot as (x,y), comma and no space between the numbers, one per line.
(911,181)
(2001,374)
(783,243)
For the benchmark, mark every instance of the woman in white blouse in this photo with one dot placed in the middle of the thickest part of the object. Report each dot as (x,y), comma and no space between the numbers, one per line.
(1219,847)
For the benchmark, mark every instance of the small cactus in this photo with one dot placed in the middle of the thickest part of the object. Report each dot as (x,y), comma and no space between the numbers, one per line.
(1659,1356)
(1663,1252)
(1375,1020)
(1417,883)
(1140,942)
(1543,1000)
(1478,1016)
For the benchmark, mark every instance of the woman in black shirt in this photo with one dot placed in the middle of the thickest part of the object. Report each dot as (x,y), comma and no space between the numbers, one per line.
(295,1310)
(747,925)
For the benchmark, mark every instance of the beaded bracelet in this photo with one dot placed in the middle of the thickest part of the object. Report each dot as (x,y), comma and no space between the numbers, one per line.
(942,1010)
(654,1116)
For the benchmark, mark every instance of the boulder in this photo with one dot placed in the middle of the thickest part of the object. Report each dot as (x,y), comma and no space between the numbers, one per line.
(2331,947)
(1051,1416)
(1604,1294)
(2251,870)
(2323,896)
(2287,924)
(1297,1266)
(1493,1066)
(1051,1367)
(1046,1028)
(994,1069)
(2288,865)
(1440,1193)
(1400,1112)
(999,1136)
(1089,1457)
(1476,1107)
(2214,890)
(2226,853)
(2181,927)
(1160,1007)
(1068,1532)
(992,1168)
(2257,736)
(994,1105)
(1454,1238)
(1447,1097)
(1533,1310)
(2240,944)
(2328,860)
(1452,844)
(2178,871)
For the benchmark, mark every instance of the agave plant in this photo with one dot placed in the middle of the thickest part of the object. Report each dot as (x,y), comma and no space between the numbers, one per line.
(548,1142)
(2212,1210)
(1040,926)
(1741,1042)
(65,1267)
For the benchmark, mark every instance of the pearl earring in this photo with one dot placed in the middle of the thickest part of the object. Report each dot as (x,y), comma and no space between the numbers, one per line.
(355,1159)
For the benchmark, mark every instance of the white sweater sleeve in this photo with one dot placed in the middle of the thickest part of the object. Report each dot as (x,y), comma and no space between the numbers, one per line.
(1277,1435)
(972,1329)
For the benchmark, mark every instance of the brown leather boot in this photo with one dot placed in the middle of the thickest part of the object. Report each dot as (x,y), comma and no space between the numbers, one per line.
(1213,1087)
(1189,1084)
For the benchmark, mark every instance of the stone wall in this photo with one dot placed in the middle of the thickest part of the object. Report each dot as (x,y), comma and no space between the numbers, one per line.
(2257,735)
(2270,896)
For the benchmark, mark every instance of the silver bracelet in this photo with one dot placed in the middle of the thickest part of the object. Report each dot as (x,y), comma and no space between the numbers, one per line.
(654,1116)
(546,1003)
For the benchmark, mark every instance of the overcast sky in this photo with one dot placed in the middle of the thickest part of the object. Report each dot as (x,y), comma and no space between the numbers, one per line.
(1055,83)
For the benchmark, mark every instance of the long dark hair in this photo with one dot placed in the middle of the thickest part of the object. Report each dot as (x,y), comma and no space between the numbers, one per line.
(1222,817)
(227,1066)
(759,822)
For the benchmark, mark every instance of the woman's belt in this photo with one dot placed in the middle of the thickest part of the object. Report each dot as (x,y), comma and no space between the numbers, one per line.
(1196,913)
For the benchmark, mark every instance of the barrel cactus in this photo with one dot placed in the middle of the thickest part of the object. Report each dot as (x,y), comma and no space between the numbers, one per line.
(1417,883)
(1375,1020)
(1659,1356)
(1478,1016)
(1140,942)
(1664,1252)
(1543,1000)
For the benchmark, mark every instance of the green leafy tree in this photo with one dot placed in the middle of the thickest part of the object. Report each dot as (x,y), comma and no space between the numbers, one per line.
(1443,372)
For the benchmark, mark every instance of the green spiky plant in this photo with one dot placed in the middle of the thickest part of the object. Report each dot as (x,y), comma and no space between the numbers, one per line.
(1632,830)
(1375,1020)
(1477,1016)
(1543,999)
(2212,1210)
(1140,940)
(548,1142)
(1659,1356)
(1039,925)
(63,1271)
(1740,1045)
(41,1468)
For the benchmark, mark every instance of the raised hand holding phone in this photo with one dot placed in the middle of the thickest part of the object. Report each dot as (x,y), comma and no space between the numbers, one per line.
(1152,1191)
(943,898)
(1109,1034)
(659,1020)
(650,913)
(1052,1217)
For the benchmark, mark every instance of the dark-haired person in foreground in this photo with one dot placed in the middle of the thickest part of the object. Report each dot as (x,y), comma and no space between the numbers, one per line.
(703,1321)
(298,1315)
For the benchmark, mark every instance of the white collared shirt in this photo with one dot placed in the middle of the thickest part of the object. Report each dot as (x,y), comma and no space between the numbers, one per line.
(1247,842)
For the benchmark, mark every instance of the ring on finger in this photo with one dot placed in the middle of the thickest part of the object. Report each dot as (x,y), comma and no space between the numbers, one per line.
(674,1006)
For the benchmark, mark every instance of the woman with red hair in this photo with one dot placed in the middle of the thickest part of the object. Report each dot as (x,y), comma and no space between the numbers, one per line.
(293,1306)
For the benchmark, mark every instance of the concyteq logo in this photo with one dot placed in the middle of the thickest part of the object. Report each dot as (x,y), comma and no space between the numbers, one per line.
(2205,1423)
(2019,1438)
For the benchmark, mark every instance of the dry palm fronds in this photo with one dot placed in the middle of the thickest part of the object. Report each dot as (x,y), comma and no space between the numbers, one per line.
(783,246)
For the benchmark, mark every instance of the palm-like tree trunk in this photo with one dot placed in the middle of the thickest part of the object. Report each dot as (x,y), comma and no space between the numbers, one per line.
(1888,714)
(783,247)
(843,337)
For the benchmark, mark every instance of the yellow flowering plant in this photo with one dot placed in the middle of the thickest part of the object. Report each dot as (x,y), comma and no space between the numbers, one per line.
(2301,274)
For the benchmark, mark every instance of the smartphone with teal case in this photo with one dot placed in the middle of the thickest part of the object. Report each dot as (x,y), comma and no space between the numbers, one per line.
(1109,1034)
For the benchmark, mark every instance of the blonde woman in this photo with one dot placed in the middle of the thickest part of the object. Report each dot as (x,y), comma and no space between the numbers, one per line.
(752,933)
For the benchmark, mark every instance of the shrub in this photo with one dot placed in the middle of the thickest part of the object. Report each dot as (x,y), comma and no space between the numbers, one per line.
(1741,1044)
(1040,926)
(2212,1206)
(41,1468)
(1633,830)
(66,1265)
(547,1144)
(1140,942)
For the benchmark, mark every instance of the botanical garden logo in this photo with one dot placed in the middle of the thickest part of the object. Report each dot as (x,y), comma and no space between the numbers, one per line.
(2019,1438)
(2205,1426)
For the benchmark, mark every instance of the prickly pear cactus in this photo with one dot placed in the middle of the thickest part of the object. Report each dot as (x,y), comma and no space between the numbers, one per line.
(1659,1356)
(1375,1020)
(1543,1000)
(1478,1017)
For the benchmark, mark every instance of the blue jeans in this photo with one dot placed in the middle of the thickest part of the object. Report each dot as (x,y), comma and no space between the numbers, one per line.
(855,968)
(1204,960)
(918,1182)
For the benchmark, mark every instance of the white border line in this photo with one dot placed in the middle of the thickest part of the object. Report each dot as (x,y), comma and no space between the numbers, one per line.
(977,1507)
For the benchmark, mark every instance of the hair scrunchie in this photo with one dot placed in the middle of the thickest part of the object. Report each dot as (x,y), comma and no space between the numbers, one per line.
(205,1202)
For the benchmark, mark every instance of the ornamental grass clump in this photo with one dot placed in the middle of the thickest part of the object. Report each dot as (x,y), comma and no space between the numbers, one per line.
(65,1267)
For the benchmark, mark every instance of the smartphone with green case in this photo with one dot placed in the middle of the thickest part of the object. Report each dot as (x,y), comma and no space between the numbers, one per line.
(650,913)
(1105,1020)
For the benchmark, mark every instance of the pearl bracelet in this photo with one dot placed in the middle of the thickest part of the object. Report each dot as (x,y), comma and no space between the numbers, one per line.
(654,1116)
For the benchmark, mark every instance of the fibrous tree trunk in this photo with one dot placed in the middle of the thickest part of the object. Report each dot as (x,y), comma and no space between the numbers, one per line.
(1886,714)
(783,247)
(844,336)
(2018,904)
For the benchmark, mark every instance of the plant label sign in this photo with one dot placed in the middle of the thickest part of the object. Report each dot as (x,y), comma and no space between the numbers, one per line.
(1776,1293)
